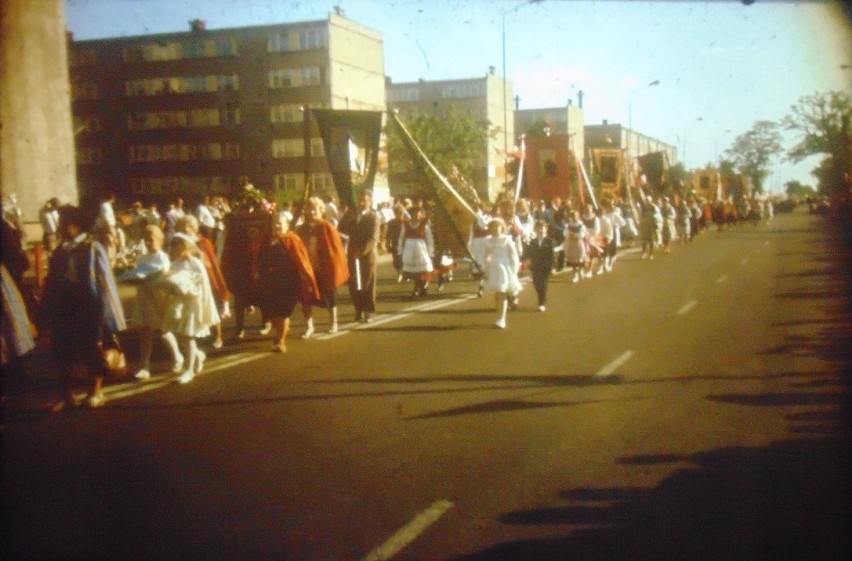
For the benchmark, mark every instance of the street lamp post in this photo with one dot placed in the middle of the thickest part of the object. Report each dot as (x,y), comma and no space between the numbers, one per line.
(630,101)
(503,15)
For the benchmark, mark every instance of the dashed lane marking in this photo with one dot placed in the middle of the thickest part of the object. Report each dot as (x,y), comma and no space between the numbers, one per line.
(610,368)
(686,307)
(409,532)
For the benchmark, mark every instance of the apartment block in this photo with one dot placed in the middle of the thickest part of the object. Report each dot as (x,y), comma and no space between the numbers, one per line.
(566,120)
(186,114)
(485,99)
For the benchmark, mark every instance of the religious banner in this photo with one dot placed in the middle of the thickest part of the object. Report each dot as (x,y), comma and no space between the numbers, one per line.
(548,168)
(351,141)
(654,168)
(454,217)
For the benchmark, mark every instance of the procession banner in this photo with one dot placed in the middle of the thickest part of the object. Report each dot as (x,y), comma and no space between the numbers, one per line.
(455,215)
(351,141)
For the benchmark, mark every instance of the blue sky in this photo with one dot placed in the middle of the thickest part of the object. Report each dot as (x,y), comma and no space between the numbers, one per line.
(721,65)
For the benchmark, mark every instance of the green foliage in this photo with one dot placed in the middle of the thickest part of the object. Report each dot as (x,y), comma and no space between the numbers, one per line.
(797,189)
(823,122)
(753,151)
(455,143)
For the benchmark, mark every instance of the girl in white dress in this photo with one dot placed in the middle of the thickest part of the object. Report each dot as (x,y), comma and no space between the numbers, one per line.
(191,310)
(152,297)
(574,246)
(501,269)
(417,248)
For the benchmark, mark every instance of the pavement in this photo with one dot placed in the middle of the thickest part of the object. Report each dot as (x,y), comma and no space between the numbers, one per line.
(33,389)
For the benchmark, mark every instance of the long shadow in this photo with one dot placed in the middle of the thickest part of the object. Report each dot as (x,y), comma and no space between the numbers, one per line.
(504,406)
(780,502)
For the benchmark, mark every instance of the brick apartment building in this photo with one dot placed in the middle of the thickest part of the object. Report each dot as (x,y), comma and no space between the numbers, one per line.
(186,114)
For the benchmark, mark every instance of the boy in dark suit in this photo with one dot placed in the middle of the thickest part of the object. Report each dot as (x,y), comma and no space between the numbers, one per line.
(539,259)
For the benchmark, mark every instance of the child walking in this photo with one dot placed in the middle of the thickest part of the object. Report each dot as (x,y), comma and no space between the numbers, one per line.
(501,269)
(574,246)
(191,310)
(539,259)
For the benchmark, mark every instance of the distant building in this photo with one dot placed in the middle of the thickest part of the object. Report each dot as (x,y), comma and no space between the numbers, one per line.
(632,143)
(186,114)
(560,120)
(485,99)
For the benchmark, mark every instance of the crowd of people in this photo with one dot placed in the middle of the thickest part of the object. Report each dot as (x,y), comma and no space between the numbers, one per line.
(192,269)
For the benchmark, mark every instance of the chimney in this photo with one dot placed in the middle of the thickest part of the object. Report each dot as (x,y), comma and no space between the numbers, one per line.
(491,70)
(517,102)
(605,122)
(580,99)
(197,25)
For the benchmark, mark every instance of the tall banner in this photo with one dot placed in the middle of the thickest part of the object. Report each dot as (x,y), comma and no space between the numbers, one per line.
(351,141)
(653,166)
(454,216)
(548,170)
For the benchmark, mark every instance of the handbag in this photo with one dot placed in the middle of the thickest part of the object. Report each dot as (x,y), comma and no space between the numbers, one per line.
(113,359)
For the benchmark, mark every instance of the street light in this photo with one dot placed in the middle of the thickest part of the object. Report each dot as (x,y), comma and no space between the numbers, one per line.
(503,14)
(630,101)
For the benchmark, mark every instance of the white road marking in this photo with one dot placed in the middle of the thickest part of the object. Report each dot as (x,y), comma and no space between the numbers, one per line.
(721,279)
(409,532)
(387,318)
(128,389)
(614,365)
(686,307)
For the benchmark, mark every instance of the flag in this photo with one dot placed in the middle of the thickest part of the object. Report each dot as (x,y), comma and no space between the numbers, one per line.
(653,167)
(351,141)
(454,215)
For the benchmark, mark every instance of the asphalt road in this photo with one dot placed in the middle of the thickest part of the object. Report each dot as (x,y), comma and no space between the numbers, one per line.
(690,407)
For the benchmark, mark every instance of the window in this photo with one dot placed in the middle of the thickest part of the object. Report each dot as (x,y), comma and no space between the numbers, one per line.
(84,90)
(322,182)
(279,42)
(204,117)
(282,78)
(292,182)
(311,76)
(89,156)
(317,148)
(313,38)
(288,148)
(286,113)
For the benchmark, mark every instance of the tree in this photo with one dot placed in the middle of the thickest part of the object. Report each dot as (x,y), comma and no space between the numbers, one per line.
(823,121)
(795,188)
(754,150)
(455,143)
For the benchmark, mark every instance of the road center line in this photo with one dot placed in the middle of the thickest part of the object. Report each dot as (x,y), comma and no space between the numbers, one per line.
(721,279)
(409,532)
(614,365)
(686,307)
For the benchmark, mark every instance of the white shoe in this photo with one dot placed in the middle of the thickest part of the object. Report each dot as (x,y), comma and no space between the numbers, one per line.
(143,374)
(177,366)
(500,324)
(186,377)
(199,361)
(333,328)
(217,344)
(576,278)
(541,308)
(308,332)
(267,328)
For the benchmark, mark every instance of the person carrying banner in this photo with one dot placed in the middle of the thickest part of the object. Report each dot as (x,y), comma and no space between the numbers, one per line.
(361,224)
(416,246)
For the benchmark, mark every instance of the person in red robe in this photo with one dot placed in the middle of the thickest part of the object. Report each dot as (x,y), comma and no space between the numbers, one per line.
(285,278)
(328,259)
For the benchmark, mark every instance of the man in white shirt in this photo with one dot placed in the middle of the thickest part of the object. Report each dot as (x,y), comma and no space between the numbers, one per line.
(206,219)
